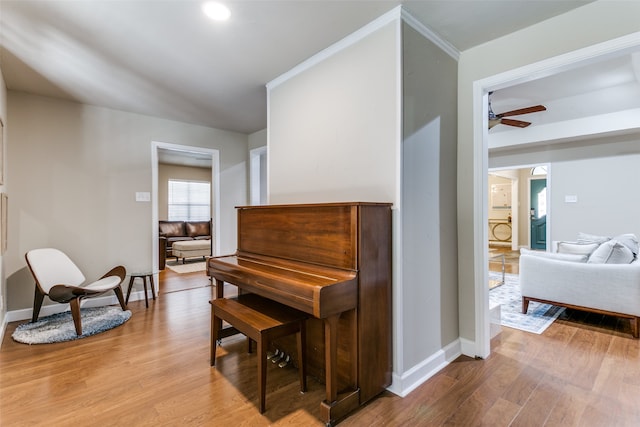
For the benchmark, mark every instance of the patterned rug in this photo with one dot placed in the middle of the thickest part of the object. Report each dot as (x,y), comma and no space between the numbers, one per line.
(539,316)
(59,327)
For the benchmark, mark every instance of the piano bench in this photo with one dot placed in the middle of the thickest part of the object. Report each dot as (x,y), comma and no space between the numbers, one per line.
(261,320)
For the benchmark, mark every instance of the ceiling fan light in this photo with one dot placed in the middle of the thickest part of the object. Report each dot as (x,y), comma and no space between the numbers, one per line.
(216,11)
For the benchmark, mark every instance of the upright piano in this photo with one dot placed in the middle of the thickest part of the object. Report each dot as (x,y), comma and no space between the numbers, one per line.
(332,261)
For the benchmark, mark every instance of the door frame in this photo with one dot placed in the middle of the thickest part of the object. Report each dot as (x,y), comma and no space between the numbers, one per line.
(215,195)
(481,88)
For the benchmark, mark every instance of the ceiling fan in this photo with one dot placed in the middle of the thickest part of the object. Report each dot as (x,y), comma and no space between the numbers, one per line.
(499,119)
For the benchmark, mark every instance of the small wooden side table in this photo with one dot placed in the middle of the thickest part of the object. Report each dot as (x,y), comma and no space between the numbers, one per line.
(142,276)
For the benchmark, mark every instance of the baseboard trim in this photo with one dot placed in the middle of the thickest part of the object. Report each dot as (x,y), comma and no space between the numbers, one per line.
(468,347)
(46,310)
(404,384)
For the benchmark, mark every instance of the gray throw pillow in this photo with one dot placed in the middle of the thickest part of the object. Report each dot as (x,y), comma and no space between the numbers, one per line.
(630,241)
(611,252)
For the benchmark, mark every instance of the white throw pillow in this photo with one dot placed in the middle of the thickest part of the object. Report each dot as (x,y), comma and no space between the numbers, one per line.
(592,238)
(576,248)
(611,252)
(555,255)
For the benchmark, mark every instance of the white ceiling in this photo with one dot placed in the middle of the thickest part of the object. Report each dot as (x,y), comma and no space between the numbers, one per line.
(590,101)
(165,58)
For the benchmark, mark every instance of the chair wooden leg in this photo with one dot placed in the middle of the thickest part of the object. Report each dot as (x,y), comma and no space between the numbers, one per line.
(120,296)
(153,287)
(37,304)
(144,286)
(75,313)
(129,290)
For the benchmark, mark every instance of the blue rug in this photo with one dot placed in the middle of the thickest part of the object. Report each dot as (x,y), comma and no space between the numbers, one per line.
(59,327)
(539,316)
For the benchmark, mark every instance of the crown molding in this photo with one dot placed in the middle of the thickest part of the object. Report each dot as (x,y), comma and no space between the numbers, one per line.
(429,34)
(389,17)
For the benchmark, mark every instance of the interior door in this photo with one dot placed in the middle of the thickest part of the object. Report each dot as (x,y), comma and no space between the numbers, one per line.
(538,213)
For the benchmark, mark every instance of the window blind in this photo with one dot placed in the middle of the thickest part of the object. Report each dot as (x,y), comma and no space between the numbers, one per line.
(189,201)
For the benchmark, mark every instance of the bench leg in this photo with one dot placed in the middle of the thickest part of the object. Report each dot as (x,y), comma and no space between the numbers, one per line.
(262,371)
(216,325)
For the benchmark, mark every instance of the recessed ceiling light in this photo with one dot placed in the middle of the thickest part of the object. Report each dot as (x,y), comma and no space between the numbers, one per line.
(216,11)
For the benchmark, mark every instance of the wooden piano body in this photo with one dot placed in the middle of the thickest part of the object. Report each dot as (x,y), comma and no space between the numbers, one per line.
(332,261)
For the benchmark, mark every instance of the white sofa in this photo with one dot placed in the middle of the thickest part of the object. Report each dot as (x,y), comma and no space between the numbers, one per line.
(573,280)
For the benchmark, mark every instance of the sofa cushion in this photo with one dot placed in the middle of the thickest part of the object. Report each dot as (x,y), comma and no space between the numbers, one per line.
(611,252)
(577,248)
(171,228)
(198,228)
(555,255)
(592,238)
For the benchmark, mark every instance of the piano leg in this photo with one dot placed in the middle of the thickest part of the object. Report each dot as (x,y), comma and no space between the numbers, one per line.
(331,356)
(335,407)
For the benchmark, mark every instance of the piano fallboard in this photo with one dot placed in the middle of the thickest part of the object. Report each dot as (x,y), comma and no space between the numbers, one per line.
(317,290)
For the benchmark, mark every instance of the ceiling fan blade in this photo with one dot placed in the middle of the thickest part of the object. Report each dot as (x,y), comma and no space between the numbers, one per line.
(527,110)
(516,123)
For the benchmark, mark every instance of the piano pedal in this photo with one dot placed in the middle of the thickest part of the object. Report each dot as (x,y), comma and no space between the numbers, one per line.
(285,362)
(271,355)
(278,358)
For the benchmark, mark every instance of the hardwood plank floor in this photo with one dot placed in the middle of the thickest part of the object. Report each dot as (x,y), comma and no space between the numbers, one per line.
(154,370)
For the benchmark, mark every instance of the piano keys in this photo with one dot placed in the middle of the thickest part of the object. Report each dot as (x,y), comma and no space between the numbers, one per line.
(332,261)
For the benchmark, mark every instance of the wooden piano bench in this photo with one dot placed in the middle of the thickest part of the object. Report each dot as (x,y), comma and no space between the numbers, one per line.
(262,320)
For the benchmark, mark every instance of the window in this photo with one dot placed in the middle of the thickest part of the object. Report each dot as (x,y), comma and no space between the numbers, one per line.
(189,201)
(539,170)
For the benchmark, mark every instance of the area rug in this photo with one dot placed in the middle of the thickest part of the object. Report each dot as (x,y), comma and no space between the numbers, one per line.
(539,316)
(59,327)
(189,267)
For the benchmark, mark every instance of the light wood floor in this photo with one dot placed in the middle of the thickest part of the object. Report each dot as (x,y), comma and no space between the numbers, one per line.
(154,371)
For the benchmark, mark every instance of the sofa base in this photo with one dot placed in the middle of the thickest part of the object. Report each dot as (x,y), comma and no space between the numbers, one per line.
(635,320)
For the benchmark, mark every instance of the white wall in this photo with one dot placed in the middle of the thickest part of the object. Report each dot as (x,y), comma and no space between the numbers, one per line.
(258,139)
(599,172)
(607,203)
(334,128)
(334,135)
(429,305)
(76,169)
(591,24)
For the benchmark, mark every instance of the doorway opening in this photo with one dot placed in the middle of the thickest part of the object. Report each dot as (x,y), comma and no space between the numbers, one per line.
(190,163)
(481,88)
